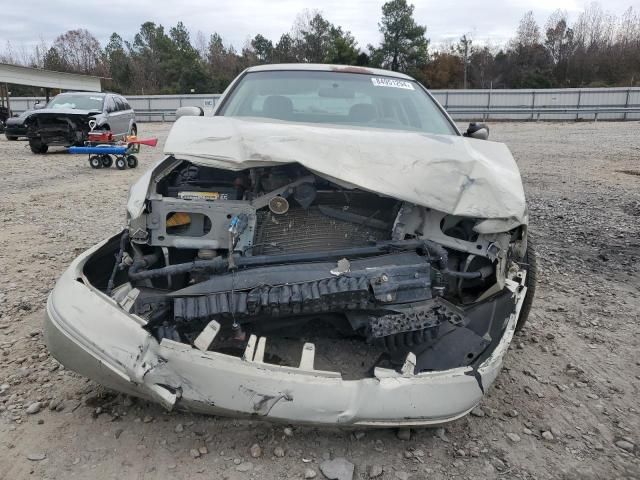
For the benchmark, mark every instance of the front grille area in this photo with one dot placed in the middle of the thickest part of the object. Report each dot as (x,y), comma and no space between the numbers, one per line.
(301,230)
(326,295)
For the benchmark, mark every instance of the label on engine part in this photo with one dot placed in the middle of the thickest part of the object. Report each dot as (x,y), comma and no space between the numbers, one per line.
(203,196)
(392,82)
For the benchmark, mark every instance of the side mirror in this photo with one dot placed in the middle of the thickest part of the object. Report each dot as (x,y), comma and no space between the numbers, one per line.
(38,105)
(189,112)
(479,131)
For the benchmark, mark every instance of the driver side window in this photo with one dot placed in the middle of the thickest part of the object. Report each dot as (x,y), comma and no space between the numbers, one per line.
(119,104)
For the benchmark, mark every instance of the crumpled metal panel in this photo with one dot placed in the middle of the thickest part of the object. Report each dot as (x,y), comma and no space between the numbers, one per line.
(449,173)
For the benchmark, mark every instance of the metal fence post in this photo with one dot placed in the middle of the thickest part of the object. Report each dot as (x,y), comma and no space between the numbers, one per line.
(578,105)
(489,103)
(626,103)
(533,102)
(446,100)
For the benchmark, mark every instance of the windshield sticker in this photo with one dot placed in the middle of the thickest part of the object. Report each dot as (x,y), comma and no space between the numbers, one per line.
(392,82)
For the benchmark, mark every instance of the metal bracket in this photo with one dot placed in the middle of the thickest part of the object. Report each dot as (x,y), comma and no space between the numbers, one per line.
(263,200)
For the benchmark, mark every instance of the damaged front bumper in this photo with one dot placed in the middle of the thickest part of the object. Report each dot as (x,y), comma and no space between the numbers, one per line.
(60,128)
(95,337)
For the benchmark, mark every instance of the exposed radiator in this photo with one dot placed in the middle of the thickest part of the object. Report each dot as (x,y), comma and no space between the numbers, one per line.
(301,230)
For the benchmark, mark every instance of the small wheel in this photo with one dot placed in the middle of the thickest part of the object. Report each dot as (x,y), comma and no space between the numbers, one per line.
(95,161)
(107,161)
(121,163)
(132,161)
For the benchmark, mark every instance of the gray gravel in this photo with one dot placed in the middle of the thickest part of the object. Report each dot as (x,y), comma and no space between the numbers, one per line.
(573,379)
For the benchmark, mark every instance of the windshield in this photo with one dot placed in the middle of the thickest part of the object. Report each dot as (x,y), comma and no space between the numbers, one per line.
(337,98)
(78,102)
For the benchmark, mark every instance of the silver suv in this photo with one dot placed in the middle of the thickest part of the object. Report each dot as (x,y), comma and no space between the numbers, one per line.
(69,117)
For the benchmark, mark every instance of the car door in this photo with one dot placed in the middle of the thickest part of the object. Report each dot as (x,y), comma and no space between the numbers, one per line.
(120,116)
(111,111)
(127,114)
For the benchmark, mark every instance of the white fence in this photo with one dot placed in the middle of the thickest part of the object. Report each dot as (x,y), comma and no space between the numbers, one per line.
(542,104)
(538,104)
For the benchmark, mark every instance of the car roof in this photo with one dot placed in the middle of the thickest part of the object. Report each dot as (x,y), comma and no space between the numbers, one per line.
(319,67)
(88,94)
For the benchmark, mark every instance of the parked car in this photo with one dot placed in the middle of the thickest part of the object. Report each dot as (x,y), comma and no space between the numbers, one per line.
(68,118)
(15,127)
(328,248)
(4,115)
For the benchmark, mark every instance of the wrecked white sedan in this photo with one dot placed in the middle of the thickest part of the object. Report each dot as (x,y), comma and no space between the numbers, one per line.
(327,248)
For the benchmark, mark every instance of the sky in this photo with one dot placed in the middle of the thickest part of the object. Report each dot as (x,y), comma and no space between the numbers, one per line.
(26,23)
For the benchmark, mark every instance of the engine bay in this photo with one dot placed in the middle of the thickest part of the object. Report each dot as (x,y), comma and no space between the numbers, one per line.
(281,252)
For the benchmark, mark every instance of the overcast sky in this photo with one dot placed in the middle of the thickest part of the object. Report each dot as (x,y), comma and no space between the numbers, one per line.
(26,22)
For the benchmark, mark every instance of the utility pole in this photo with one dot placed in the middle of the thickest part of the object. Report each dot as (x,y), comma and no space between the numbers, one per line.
(465,58)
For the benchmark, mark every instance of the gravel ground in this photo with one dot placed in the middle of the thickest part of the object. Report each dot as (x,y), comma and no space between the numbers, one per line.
(565,405)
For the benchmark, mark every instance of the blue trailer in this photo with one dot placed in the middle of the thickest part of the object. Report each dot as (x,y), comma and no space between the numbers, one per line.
(100,155)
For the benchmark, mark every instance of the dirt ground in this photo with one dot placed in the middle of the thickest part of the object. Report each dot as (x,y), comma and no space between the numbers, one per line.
(566,404)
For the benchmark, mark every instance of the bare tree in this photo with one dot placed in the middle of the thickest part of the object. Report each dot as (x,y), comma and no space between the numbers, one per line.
(79,50)
(200,44)
(628,32)
(39,52)
(8,56)
(558,35)
(528,33)
(594,29)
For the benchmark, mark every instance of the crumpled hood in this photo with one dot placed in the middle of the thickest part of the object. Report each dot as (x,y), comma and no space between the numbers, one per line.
(64,111)
(453,174)
(15,121)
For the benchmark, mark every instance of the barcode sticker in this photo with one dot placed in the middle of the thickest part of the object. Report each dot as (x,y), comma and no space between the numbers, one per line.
(203,196)
(392,82)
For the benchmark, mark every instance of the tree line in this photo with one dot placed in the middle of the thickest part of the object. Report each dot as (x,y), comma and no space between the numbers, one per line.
(597,49)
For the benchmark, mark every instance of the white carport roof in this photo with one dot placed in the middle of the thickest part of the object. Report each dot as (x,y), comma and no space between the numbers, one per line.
(36,77)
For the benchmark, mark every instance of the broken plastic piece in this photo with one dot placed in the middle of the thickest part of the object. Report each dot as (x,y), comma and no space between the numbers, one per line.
(250,349)
(163,396)
(308,356)
(409,367)
(259,355)
(206,337)
(343,266)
